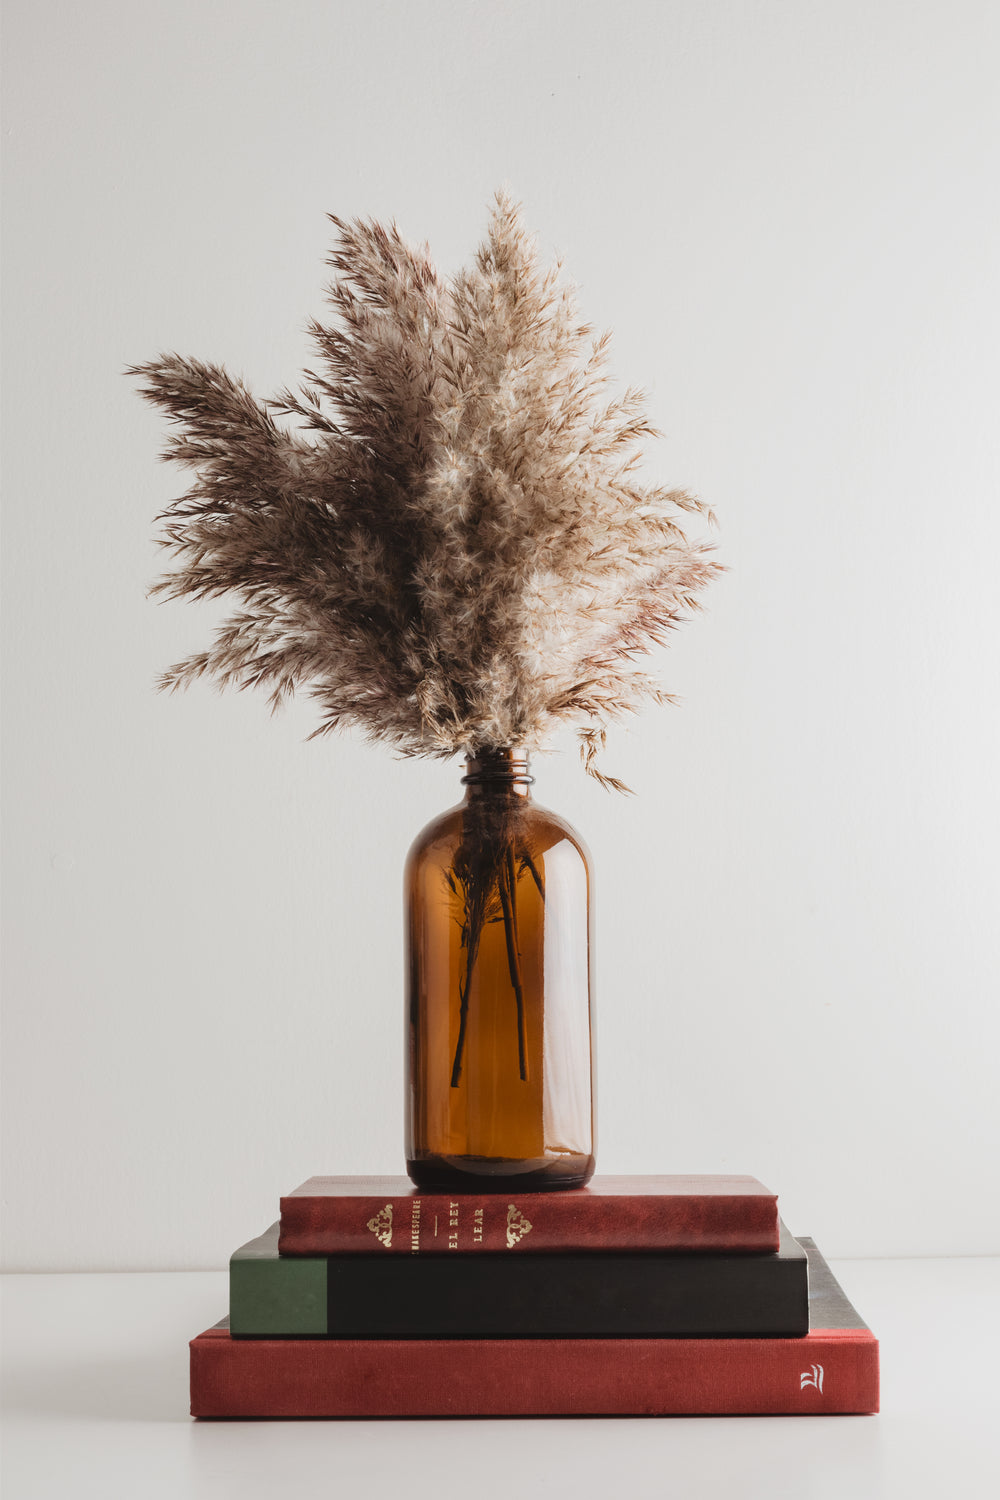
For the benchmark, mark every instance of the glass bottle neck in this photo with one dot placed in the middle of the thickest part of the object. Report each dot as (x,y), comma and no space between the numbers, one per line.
(492,773)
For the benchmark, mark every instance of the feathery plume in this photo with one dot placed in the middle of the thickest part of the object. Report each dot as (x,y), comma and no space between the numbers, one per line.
(452,547)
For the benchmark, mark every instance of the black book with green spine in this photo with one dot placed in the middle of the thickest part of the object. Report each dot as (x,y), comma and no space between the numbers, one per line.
(501,1296)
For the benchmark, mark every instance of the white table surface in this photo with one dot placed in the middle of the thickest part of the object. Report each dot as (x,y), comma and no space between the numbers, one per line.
(96,1405)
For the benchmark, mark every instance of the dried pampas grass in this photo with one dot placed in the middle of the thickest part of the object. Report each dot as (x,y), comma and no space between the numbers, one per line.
(453,549)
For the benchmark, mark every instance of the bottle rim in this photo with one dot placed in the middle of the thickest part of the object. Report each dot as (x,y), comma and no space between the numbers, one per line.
(504,764)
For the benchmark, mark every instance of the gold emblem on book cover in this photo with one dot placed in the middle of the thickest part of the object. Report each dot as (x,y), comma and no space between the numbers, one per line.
(381,1225)
(517,1225)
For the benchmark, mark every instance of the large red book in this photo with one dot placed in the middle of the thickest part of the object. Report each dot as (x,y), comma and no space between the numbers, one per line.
(363,1215)
(833,1369)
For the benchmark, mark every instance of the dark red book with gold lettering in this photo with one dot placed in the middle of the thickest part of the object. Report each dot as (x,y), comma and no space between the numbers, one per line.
(833,1369)
(363,1215)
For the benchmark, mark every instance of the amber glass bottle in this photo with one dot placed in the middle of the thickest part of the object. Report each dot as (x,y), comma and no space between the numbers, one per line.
(500,1052)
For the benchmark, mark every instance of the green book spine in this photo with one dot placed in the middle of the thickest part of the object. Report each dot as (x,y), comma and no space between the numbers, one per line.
(271,1296)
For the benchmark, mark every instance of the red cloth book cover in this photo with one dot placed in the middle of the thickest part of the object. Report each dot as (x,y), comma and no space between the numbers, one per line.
(362,1215)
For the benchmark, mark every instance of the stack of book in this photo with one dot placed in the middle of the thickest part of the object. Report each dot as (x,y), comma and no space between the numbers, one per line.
(631,1296)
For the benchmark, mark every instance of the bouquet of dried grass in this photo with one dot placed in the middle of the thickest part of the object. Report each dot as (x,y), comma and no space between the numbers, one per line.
(453,548)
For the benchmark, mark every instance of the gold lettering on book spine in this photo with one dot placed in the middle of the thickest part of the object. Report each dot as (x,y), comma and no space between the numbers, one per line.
(381,1225)
(517,1225)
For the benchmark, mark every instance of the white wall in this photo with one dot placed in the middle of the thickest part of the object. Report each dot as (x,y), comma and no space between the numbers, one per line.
(788,213)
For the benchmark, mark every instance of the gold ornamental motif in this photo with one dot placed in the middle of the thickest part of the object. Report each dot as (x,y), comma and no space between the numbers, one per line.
(381,1225)
(517,1225)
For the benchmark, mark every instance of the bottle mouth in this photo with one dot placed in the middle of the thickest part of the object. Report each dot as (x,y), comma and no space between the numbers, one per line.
(504,765)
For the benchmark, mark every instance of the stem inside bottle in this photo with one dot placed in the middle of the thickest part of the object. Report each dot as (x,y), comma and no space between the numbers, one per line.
(484,877)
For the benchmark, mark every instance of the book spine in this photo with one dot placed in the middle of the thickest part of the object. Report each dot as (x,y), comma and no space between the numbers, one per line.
(830,1371)
(537,1223)
(499,1296)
